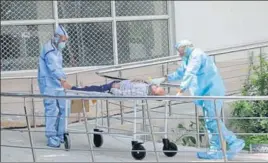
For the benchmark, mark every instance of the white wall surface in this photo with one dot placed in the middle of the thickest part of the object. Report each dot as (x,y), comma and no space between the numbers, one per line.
(213,25)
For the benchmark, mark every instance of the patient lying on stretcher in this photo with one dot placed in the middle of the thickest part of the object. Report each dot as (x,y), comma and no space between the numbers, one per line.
(123,88)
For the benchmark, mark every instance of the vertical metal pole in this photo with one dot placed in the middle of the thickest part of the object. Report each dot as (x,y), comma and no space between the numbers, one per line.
(29,131)
(107,110)
(55,13)
(121,103)
(261,64)
(166,121)
(88,134)
(220,132)
(32,91)
(97,109)
(222,114)
(152,130)
(135,121)
(76,80)
(102,113)
(114,33)
(169,102)
(68,104)
(77,84)
(197,127)
(171,26)
(108,118)
(143,120)
(163,70)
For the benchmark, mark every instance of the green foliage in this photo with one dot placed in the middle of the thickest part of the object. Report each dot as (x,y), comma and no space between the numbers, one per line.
(259,139)
(257,85)
(188,139)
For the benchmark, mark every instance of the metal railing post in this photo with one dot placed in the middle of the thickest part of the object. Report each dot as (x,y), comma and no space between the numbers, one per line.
(102,121)
(29,131)
(121,103)
(220,132)
(152,130)
(222,114)
(32,91)
(144,128)
(261,64)
(197,127)
(108,118)
(107,111)
(77,85)
(88,134)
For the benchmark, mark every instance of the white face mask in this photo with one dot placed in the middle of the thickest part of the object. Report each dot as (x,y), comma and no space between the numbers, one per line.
(61,46)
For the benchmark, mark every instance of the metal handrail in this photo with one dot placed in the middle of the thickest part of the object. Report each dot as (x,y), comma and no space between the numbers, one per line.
(172,58)
(92,95)
(89,95)
(211,53)
(93,69)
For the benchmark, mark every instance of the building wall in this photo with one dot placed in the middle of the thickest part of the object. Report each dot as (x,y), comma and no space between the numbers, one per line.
(213,25)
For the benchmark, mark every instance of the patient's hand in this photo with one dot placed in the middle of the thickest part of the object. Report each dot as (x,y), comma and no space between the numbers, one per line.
(66,85)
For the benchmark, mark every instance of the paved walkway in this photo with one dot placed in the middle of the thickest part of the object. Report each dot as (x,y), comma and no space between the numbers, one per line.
(116,148)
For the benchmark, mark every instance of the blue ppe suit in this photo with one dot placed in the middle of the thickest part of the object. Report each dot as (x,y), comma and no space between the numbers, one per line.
(50,72)
(199,74)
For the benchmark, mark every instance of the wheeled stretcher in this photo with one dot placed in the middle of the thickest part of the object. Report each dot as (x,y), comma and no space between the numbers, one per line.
(138,151)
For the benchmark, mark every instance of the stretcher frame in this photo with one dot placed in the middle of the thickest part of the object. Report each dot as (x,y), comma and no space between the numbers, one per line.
(138,151)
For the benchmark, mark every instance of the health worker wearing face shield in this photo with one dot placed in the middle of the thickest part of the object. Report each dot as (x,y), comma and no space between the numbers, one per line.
(199,74)
(51,77)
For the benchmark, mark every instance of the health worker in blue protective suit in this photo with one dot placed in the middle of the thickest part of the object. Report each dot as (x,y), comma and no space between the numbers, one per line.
(200,76)
(50,79)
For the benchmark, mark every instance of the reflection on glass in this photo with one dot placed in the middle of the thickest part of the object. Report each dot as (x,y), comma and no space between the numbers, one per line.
(140,40)
(139,8)
(20,46)
(26,10)
(90,44)
(84,9)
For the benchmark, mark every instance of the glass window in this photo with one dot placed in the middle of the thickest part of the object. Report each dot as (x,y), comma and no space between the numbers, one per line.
(90,44)
(140,8)
(20,45)
(140,40)
(84,9)
(26,10)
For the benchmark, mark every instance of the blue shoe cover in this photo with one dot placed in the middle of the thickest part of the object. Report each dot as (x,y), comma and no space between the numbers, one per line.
(236,146)
(214,155)
(61,139)
(53,142)
(210,155)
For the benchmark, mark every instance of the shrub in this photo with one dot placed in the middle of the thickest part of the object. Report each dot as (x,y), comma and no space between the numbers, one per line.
(257,85)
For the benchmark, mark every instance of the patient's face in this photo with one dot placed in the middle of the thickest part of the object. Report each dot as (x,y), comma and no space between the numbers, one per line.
(158,91)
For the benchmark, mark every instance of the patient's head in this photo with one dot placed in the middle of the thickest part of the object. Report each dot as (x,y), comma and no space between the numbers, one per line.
(157,91)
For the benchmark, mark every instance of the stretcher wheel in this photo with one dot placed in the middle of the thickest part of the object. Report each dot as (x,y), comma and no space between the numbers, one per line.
(67,142)
(138,155)
(169,149)
(97,138)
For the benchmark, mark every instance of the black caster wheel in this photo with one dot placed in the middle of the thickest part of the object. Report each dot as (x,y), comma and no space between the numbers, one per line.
(97,138)
(169,149)
(138,155)
(67,142)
